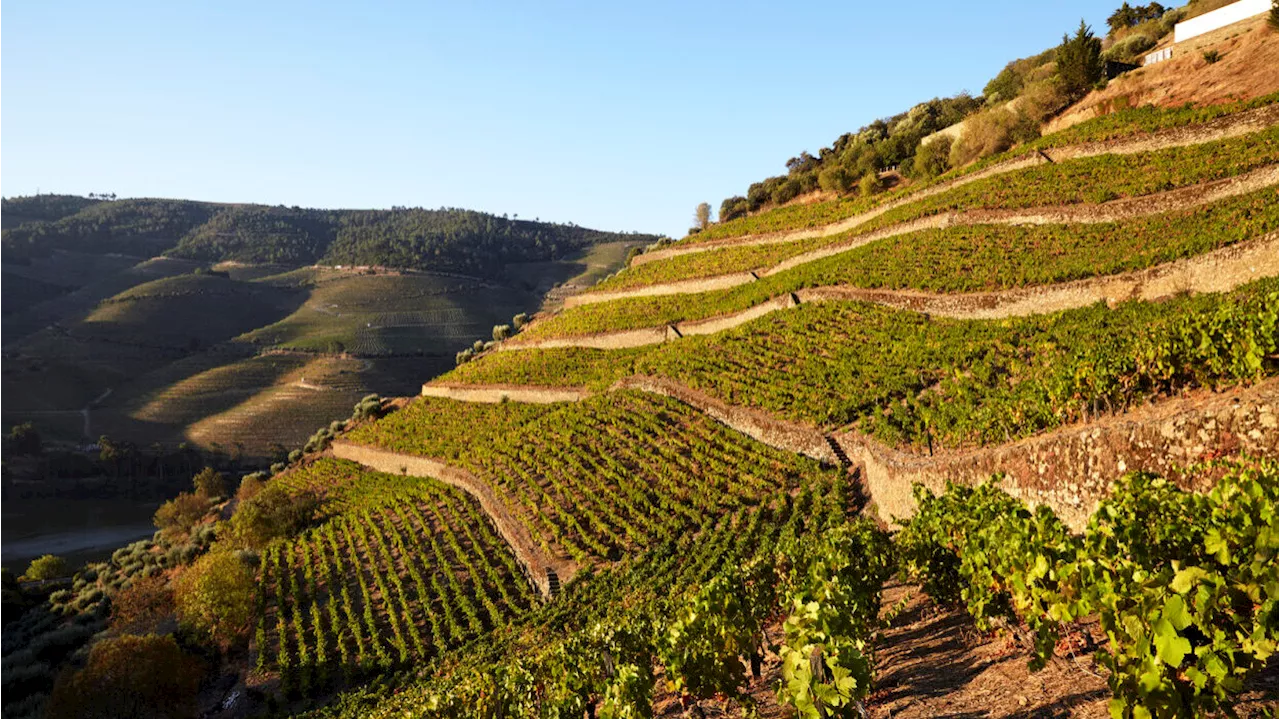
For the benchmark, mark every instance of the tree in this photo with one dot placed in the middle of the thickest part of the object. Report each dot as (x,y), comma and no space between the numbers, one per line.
(130,676)
(931,159)
(215,596)
(272,512)
(1079,61)
(210,484)
(24,439)
(177,516)
(702,216)
(733,207)
(49,566)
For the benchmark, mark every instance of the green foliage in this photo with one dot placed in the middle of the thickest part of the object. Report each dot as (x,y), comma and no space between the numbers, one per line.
(1167,168)
(734,207)
(1126,16)
(937,260)
(178,515)
(48,566)
(1211,56)
(444,240)
(1184,583)
(216,597)
(1079,61)
(870,184)
(417,428)
(23,439)
(834,602)
(273,512)
(41,208)
(932,159)
(720,623)
(210,484)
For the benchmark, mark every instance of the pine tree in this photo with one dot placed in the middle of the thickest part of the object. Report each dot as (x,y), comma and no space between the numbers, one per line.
(1079,61)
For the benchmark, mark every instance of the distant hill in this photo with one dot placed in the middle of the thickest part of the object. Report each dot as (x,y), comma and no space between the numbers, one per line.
(444,240)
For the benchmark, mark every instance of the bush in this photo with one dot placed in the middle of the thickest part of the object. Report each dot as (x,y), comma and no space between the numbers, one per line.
(787,191)
(1211,56)
(932,159)
(47,567)
(295,456)
(870,184)
(180,514)
(992,132)
(477,347)
(501,332)
(271,513)
(836,179)
(210,484)
(734,207)
(519,321)
(215,597)
(62,596)
(1129,48)
(130,676)
(463,357)
(143,607)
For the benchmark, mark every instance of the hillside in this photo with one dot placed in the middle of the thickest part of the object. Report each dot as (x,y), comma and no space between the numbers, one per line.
(104,334)
(998,441)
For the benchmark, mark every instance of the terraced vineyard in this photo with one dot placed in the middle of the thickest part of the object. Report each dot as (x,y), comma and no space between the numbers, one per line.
(618,474)
(404,570)
(443,428)
(1126,123)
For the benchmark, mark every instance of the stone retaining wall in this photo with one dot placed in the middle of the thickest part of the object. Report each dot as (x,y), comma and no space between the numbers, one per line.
(494,394)
(1113,211)
(777,433)
(1071,469)
(530,555)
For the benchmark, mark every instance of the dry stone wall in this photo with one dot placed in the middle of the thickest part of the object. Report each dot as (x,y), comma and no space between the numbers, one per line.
(531,556)
(1071,469)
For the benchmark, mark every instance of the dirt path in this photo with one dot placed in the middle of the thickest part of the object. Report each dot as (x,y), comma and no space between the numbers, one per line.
(536,562)
(1217,271)
(1113,211)
(1223,128)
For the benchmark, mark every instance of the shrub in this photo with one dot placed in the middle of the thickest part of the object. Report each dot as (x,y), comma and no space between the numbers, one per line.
(870,184)
(143,607)
(23,439)
(992,132)
(130,676)
(478,346)
(47,567)
(279,467)
(295,456)
(210,484)
(1129,48)
(1211,56)
(62,596)
(271,513)
(734,207)
(249,487)
(180,514)
(787,191)
(519,321)
(836,179)
(501,332)
(463,357)
(932,159)
(215,597)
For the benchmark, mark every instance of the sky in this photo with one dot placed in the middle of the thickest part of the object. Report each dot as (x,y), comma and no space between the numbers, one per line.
(618,116)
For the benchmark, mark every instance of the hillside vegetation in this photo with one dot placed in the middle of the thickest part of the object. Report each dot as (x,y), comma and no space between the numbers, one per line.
(445,240)
(601,514)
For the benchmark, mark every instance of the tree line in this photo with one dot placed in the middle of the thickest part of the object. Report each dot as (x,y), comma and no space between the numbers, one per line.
(446,239)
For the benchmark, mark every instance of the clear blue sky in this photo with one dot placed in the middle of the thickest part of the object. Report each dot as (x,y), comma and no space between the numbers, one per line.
(611,116)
